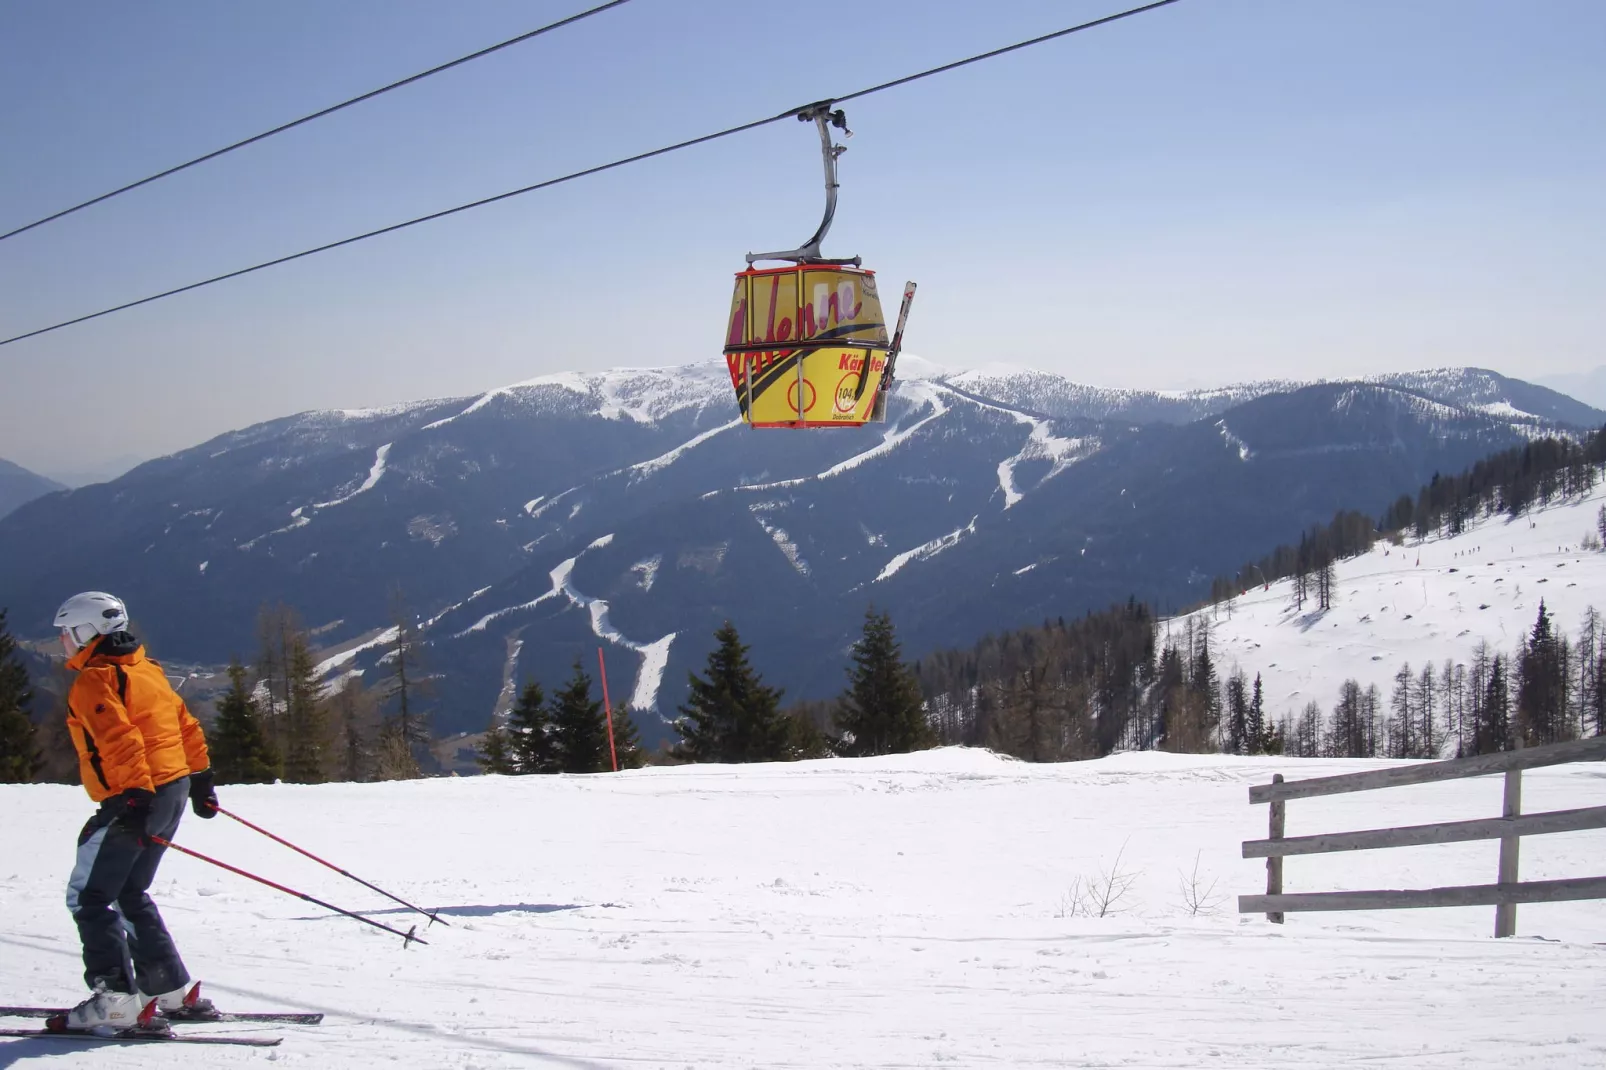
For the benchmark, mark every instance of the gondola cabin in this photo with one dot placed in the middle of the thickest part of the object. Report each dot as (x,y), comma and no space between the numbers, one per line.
(807,346)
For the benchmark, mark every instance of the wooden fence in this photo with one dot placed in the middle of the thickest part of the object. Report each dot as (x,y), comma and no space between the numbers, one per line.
(1504,895)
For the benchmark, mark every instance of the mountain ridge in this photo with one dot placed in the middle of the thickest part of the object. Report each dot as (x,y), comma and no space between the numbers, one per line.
(530,523)
(19,486)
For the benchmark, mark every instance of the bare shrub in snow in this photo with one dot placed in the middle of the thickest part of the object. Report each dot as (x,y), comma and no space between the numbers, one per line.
(1102,895)
(1070,904)
(1198,896)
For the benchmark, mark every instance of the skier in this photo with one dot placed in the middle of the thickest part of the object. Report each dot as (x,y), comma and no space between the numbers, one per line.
(140,754)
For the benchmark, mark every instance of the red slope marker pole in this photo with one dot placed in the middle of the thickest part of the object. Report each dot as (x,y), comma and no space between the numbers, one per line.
(301,850)
(602,669)
(407,937)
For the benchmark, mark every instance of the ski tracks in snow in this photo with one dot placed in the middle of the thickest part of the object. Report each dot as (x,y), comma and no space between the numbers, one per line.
(654,656)
(889,441)
(1041,444)
(926,550)
(298,517)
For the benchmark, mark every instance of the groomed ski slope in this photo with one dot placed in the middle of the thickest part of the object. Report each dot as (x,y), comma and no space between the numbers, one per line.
(1422,602)
(898,912)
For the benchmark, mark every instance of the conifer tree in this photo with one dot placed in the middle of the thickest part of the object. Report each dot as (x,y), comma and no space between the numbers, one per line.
(495,754)
(529,732)
(241,753)
(1493,730)
(882,710)
(805,739)
(19,749)
(1239,740)
(627,739)
(731,716)
(1542,684)
(1261,731)
(1189,728)
(579,731)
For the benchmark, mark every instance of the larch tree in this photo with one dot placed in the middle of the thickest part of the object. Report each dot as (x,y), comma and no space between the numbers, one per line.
(409,682)
(1429,733)
(1401,729)
(882,710)
(277,626)
(357,726)
(729,714)
(20,759)
(308,739)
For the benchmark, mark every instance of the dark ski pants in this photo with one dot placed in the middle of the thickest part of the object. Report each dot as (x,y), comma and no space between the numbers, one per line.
(125,942)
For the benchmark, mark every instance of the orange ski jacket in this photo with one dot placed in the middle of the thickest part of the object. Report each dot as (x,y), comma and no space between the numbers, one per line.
(129,726)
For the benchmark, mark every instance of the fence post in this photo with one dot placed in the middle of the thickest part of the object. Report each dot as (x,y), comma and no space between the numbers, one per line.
(1505,914)
(1274,864)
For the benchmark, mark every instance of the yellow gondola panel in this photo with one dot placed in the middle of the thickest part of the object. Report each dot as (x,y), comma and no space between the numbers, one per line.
(807,346)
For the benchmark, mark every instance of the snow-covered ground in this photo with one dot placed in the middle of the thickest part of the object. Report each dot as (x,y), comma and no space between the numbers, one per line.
(895,912)
(1421,602)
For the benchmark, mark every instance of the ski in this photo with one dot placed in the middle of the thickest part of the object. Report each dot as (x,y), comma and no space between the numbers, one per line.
(135,1036)
(178,1017)
(878,409)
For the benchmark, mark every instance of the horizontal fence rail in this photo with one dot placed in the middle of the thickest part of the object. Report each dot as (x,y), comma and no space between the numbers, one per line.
(1471,895)
(1492,828)
(1583,750)
(1504,895)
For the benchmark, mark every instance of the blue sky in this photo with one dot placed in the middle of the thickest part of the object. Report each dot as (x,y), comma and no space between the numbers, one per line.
(1220,190)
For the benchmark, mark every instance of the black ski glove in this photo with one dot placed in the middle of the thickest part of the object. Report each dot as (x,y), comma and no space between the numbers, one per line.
(134,811)
(203,797)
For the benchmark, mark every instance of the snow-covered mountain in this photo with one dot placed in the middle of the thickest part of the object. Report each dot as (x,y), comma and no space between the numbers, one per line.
(630,508)
(1465,388)
(1422,603)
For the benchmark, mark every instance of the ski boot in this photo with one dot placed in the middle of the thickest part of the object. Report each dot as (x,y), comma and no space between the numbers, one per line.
(108,1014)
(184,1005)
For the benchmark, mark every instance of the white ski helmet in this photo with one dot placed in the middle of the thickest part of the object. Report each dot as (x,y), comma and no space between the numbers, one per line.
(84,616)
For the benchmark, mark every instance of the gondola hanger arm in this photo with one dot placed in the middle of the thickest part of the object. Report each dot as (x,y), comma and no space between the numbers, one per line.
(824,117)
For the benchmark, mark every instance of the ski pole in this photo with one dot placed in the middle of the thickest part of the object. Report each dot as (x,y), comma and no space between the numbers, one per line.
(300,850)
(407,937)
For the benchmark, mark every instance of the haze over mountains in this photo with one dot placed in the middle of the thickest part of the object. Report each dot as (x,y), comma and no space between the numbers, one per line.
(18,485)
(1588,387)
(629,508)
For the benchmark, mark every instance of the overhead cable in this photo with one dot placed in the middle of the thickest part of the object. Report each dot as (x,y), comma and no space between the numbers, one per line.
(316,115)
(727,132)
